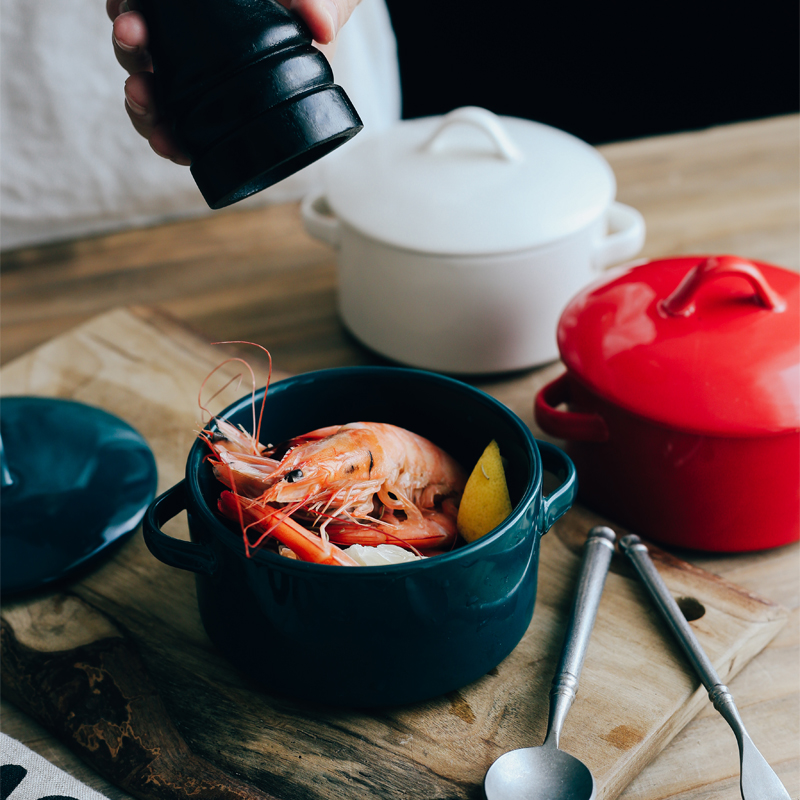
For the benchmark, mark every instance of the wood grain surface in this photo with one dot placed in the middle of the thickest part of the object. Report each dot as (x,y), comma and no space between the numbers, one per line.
(256,275)
(69,667)
(141,366)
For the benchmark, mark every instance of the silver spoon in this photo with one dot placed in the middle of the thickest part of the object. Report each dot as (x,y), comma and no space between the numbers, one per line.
(758,781)
(545,772)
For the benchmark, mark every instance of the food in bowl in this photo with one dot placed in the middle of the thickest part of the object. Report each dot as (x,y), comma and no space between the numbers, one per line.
(363,483)
(395,633)
(485,502)
(359,485)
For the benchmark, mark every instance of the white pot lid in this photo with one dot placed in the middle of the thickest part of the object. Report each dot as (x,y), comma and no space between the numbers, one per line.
(468,183)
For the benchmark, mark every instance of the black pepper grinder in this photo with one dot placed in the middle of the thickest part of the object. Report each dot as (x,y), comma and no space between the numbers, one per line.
(250,99)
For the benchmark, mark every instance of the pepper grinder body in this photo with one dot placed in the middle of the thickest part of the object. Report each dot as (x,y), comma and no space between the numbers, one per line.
(249,98)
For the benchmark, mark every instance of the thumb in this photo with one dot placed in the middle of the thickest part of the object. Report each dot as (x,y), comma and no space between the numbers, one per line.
(323,17)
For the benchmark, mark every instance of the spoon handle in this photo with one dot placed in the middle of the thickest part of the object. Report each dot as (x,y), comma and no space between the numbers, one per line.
(636,551)
(758,780)
(597,552)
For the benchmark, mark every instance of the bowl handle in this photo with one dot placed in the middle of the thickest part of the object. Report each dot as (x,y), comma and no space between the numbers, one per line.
(175,552)
(319,220)
(557,503)
(626,239)
(574,426)
(485,121)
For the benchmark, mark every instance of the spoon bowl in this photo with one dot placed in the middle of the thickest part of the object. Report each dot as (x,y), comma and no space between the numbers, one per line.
(534,773)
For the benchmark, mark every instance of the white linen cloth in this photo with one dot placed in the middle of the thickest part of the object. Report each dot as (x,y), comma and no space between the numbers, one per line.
(71,163)
(25,775)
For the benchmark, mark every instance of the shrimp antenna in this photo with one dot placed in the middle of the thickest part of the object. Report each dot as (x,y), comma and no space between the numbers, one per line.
(220,390)
(256,428)
(239,509)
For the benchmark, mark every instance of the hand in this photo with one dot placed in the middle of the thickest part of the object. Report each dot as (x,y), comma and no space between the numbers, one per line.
(324,18)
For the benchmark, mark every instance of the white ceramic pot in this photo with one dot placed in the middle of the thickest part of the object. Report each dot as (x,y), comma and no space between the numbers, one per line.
(462,238)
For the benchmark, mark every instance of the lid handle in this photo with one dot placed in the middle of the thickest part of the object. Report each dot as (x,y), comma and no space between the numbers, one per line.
(483,120)
(681,302)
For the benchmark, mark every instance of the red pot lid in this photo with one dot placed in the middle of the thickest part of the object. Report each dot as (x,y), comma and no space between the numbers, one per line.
(705,345)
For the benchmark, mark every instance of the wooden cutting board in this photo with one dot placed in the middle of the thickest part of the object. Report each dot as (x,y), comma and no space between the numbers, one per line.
(636,689)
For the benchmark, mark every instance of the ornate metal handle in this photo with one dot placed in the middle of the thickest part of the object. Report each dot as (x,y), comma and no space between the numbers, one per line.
(597,554)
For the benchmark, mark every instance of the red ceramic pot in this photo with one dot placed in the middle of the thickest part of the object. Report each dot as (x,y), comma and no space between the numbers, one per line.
(682,396)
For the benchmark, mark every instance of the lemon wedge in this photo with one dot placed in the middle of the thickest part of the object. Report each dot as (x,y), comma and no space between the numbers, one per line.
(485,502)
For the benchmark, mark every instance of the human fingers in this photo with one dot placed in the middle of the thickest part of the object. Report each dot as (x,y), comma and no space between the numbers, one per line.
(114,8)
(140,103)
(141,108)
(324,18)
(130,37)
(163,143)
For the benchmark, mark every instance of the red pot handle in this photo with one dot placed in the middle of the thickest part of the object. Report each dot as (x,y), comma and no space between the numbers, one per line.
(575,426)
(681,302)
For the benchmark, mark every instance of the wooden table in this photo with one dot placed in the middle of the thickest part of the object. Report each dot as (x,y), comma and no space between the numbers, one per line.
(256,275)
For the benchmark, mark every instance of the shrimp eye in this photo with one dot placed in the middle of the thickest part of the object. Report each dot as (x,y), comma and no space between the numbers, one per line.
(294,475)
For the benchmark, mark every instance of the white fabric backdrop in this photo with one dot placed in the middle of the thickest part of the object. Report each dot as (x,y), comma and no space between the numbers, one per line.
(71,163)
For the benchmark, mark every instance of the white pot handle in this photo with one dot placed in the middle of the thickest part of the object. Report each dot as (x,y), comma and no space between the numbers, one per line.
(319,220)
(626,239)
(482,119)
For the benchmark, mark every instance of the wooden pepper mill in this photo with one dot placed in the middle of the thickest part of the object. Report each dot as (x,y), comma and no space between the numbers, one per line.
(250,99)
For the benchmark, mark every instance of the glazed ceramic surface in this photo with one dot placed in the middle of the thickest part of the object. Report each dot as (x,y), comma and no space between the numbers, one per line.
(385,635)
(461,238)
(76,482)
(683,401)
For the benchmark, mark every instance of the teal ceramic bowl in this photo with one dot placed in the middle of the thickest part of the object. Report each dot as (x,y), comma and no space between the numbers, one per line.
(369,636)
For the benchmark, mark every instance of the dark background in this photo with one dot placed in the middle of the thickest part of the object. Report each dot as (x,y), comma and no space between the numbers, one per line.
(603,71)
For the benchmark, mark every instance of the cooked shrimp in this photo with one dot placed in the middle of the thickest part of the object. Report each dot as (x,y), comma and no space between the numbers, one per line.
(243,473)
(342,473)
(231,439)
(368,482)
(435,529)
